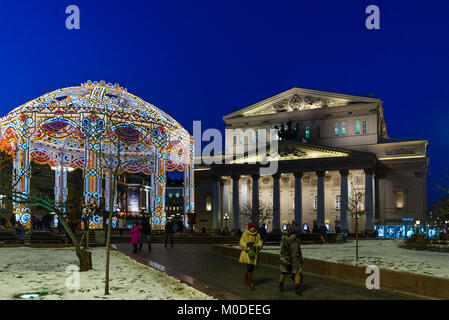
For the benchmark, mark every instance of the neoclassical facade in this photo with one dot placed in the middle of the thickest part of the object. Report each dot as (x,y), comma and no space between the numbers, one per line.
(333,149)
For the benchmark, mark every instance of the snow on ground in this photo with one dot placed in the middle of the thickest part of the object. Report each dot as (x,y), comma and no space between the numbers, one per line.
(31,270)
(386,254)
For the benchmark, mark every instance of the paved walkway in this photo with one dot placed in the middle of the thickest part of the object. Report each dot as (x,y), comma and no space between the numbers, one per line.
(226,274)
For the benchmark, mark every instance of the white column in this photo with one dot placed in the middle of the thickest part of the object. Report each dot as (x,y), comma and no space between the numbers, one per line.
(276,203)
(235,203)
(369,199)
(298,200)
(344,199)
(255,198)
(320,196)
(216,203)
(226,191)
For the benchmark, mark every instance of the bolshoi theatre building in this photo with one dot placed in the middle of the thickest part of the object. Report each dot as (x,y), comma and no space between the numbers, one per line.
(332,149)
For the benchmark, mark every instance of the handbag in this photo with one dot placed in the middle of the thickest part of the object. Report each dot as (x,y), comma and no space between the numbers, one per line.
(252,252)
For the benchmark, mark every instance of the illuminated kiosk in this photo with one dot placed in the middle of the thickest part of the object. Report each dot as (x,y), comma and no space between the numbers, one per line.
(84,127)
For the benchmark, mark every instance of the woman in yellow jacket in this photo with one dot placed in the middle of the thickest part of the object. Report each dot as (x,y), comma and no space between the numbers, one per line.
(251,244)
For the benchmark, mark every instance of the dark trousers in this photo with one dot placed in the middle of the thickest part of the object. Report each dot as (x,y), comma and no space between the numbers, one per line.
(135,248)
(144,236)
(250,267)
(167,235)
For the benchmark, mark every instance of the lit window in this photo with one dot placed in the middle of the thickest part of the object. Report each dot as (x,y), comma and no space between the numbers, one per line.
(307,132)
(315,203)
(357,127)
(364,126)
(337,129)
(253,137)
(343,128)
(399,199)
(337,202)
(318,131)
(208,204)
(241,138)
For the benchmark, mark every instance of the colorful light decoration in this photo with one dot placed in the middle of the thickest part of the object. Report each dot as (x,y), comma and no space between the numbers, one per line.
(72,127)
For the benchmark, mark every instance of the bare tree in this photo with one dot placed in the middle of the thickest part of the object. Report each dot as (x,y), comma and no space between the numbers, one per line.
(441,217)
(263,214)
(356,210)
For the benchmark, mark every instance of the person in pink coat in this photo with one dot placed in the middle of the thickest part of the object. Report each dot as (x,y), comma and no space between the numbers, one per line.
(135,235)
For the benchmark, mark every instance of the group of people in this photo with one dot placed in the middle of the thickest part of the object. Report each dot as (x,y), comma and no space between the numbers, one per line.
(291,259)
(141,231)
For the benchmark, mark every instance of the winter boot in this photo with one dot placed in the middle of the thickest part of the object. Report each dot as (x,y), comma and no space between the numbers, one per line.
(250,281)
(245,280)
(298,289)
(281,286)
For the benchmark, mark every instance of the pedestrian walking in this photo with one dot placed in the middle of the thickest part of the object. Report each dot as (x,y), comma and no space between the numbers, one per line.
(251,244)
(323,230)
(13,220)
(180,227)
(146,233)
(135,235)
(169,232)
(291,260)
(121,225)
(20,231)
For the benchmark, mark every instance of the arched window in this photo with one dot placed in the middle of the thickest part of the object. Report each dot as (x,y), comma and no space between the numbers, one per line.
(343,128)
(336,129)
(357,127)
(253,137)
(307,132)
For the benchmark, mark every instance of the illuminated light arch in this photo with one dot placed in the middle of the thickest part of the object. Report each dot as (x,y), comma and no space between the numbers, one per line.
(72,127)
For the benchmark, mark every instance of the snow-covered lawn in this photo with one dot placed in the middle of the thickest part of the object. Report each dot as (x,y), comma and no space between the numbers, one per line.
(31,270)
(386,254)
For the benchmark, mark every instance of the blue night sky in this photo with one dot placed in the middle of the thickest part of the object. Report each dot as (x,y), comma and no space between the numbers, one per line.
(199,60)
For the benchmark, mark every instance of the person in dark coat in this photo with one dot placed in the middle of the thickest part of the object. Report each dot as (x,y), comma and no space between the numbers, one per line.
(291,260)
(20,230)
(46,221)
(169,232)
(323,230)
(13,220)
(263,232)
(180,227)
(146,233)
(315,228)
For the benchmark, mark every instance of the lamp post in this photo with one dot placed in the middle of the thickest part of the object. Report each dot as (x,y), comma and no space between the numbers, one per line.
(226,218)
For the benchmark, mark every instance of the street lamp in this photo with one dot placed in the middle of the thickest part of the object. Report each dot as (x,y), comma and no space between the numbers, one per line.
(226,218)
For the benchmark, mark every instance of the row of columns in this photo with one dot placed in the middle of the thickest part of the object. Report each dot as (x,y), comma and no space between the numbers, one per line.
(344,198)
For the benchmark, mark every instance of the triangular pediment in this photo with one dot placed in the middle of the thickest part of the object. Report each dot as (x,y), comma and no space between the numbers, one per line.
(297,99)
(294,150)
